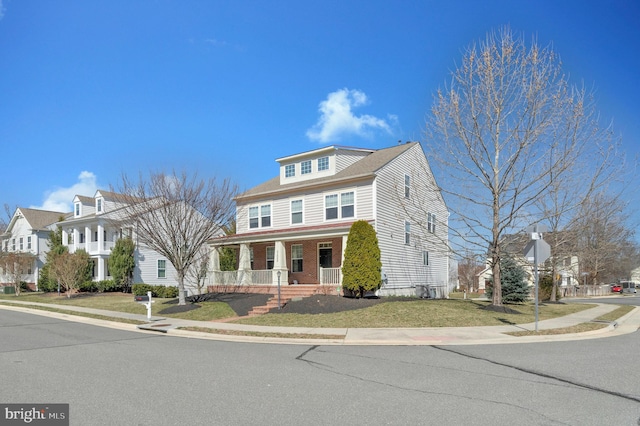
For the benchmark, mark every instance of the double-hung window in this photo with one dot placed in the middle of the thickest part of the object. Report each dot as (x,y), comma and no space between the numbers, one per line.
(21,244)
(271,251)
(296,211)
(99,205)
(260,216)
(296,258)
(77,209)
(407,232)
(331,206)
(162,268)
(29,243)
(339,205)
(431,223)
(407,185)
(425,258)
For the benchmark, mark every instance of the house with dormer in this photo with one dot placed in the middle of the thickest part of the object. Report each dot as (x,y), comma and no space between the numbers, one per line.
(293,228)
(28,232)
(95,225)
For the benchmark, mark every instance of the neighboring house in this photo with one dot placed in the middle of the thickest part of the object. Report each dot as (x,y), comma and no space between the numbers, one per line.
(294,227)
(566,266)
(94,227)
(28,232)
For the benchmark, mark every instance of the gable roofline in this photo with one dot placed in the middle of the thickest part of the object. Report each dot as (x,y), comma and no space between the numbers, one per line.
(37,219)
(327,149)
(365,168)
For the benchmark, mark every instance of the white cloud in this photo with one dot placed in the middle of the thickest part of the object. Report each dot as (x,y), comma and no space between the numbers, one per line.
(337,118)
(60,199)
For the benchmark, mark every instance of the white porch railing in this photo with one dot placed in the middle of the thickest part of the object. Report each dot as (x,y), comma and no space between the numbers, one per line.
(331,276)
(263,277)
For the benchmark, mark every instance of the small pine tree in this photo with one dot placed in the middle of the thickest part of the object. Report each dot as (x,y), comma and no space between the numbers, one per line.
(361,267)
(122,263)
(46,282)
(514,285)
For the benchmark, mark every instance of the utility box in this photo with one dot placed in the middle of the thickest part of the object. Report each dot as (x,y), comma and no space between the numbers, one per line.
(9,289)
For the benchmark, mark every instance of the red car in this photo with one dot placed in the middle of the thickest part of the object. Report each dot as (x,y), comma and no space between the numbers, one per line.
(616,288)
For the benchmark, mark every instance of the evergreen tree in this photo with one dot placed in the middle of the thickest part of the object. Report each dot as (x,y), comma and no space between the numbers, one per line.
(361,267)
(514,284)
(122,263)
(46,282)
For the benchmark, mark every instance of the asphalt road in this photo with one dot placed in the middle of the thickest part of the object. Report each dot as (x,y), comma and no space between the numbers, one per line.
(116,377)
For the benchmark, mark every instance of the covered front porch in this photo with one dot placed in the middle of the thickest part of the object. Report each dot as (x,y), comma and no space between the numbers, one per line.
(285,259)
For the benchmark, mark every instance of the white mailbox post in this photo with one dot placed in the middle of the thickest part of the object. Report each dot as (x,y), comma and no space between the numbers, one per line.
(146,301)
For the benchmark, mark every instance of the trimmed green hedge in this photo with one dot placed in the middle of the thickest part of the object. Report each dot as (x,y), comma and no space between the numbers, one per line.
(160,291)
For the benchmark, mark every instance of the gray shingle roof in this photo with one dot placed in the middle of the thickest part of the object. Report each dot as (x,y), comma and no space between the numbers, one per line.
(40,219)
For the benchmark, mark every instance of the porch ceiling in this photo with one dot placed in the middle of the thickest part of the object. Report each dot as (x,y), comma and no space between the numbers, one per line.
(310,232)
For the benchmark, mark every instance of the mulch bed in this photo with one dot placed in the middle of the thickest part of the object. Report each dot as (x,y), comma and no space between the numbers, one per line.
(242,303)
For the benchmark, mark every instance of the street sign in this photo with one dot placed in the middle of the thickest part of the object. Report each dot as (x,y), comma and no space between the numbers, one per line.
(544,250)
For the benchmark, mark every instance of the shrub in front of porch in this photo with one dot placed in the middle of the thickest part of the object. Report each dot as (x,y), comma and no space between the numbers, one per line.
(361,266)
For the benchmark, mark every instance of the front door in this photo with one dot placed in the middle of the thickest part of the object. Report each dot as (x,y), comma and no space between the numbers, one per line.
(325,257)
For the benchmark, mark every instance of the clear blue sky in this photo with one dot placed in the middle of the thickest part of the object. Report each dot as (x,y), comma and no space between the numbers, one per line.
(89,89)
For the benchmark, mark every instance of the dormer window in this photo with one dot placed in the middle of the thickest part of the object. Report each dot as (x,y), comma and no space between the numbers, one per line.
(99,205)
(323,164)
(76,209)
(289,170)
(305,167)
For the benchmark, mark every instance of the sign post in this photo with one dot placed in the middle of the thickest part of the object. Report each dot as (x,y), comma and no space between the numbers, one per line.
(146,301)
(537,251)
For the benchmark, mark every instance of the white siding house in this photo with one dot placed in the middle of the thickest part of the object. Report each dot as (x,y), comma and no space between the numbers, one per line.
(295,226)
(92,227)
(28,232)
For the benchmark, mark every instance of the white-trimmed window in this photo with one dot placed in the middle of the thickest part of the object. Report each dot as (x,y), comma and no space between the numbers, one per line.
(260,216)
(76,209)
(323,163)
(347,204)
(162,268)
(431,222)
(289,170)
(305,167)
(425,258)
(29,242)
(296,258)
(339,205)
(271,251)
(99,205)
(21,244)
(407,185)
(407,232)
(13,244)
(296,211)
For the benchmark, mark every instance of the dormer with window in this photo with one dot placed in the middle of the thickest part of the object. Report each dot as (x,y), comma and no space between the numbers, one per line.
(319,163)
(99,205)
(77,209)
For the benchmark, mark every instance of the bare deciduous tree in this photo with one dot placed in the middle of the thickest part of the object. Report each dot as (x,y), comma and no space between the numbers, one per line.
(70,270)
(602,234)
(507,127)
(16,266)
(175,215)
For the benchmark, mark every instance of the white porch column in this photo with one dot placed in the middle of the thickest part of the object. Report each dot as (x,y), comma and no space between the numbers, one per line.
(214,259)
(65,237)
(344,246)
(76,239)
(280,264)
(244,265)
(100,237)
(100,274)
(87,239)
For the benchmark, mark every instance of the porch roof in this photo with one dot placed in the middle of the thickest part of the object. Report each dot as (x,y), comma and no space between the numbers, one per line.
(297,233)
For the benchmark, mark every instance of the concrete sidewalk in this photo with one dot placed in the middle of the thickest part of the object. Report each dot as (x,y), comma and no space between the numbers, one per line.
(353,336)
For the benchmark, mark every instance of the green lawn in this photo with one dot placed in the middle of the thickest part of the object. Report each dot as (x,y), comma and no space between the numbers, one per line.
(415,313)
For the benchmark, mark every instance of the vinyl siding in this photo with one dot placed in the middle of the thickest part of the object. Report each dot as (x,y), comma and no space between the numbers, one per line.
(403,263)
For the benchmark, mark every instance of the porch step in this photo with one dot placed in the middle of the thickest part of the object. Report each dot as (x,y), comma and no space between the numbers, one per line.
(286,295)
